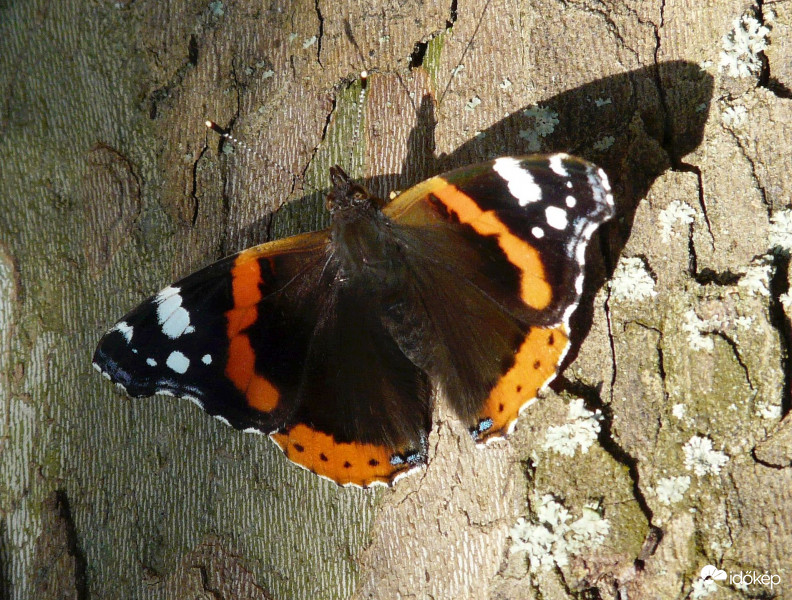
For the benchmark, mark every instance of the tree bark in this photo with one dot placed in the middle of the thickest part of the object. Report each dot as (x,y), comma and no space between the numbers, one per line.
(111,187)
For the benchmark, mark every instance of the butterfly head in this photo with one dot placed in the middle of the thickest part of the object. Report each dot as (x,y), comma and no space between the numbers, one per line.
(346,196)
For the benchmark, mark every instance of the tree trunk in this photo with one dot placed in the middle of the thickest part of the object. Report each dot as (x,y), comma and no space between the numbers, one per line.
(111,187)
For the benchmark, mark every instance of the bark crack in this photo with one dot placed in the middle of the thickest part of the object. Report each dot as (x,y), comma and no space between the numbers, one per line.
(766,80)
(661,370)
(611,343)
(613,28)
(736,351)
(668,139)
(204,574)
(322,138)
(468,46)
(593,400)
(161,94)
(320,35)
(194,190)
(779,285)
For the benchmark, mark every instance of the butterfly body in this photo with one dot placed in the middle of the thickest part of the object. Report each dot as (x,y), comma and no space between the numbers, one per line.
(333,342)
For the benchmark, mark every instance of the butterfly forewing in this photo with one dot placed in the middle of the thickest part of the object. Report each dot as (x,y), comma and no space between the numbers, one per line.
(506,241)
(191,339)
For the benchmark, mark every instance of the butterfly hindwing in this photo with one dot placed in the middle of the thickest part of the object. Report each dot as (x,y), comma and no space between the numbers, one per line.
(364,407)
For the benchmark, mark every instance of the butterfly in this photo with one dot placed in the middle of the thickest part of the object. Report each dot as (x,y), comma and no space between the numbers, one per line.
(332,343)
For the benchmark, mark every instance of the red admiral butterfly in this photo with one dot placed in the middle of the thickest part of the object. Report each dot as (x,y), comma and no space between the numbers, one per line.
(331,342)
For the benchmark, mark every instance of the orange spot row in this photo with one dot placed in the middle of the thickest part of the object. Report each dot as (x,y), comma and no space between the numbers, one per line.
(535,364)
(361,464)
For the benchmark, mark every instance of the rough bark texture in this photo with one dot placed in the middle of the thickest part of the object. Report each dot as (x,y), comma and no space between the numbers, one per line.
(110,188)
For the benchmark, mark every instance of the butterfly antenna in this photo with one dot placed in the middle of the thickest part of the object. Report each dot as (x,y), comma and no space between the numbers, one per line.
(464,52)
(240,144)
(358,118)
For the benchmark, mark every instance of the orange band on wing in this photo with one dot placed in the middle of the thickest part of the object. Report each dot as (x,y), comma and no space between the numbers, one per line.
(535,291)
(535,365)
(357,463)
(247,278)
(241,366)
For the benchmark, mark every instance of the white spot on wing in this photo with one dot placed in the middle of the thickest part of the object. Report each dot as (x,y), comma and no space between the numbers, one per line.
(166,306)
(206,359)
(537,232)
(557,165)
(174,319)
(177,323)
(604,178)
(570,201)
(521,184)
(166,293)
(178,362)
(124,329)
(556,217)
(151,362)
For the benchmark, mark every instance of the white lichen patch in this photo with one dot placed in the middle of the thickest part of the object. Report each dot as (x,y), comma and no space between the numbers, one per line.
(695,328)
(473,103)
(780,235)
(703,588)
(742,46)
(671,490)
(756,280)
(631,281)
(745,322)
(544,123)
(786,301)
(701,458)
(604,143)
(677,212)
(580,430)
(551,539)
(766,410)
(734,116)
(678,411)
(309,42)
